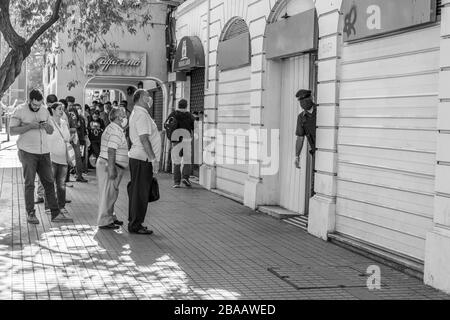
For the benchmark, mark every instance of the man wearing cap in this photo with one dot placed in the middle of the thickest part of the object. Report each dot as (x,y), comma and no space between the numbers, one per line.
(306,126)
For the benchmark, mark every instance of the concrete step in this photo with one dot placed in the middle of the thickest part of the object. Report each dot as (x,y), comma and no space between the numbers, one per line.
(278,212)
(300,222)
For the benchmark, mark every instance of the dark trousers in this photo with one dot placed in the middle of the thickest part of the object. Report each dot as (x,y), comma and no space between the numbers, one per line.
(78,161)
(42,165)
(138,192)
(95,148)
(177,174)
(59,175)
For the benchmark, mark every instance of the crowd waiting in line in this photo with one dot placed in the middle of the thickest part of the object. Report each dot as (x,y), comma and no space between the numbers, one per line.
(117,140)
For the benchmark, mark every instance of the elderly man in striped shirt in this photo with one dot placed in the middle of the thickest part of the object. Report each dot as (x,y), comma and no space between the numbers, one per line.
(111,165)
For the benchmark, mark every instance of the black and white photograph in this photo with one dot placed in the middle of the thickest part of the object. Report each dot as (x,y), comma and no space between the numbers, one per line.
(227,156)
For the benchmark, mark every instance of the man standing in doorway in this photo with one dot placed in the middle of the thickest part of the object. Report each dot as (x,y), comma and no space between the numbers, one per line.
(306,127)
(31,122)
(144,157)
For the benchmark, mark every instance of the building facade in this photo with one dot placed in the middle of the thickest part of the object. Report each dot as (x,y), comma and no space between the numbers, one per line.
(380,74)
(136,57)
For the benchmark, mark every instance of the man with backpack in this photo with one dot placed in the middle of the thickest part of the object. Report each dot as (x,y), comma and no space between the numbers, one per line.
(174,125)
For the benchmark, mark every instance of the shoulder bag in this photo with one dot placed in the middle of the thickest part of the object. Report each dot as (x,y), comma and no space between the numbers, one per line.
(70,152)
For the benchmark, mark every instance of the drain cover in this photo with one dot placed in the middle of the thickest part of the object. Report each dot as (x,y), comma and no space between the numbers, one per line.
(321,277)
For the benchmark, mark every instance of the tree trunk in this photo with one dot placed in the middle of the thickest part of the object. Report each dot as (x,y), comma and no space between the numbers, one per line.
(21,49)
(12,66)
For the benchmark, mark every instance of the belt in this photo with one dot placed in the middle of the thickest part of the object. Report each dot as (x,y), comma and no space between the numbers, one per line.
(118,165)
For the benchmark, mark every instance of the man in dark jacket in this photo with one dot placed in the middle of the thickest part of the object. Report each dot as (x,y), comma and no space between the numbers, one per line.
(182,119)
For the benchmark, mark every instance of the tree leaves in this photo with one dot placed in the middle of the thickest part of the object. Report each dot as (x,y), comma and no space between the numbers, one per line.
(84,21)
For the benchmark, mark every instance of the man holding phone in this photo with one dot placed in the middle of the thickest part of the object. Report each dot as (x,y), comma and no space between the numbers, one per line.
(31,122)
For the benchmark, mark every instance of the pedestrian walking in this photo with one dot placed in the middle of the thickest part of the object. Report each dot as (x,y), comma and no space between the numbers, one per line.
(111,166)
(31,122)
(181,119)
(306,127)
(58,154)
(144,156)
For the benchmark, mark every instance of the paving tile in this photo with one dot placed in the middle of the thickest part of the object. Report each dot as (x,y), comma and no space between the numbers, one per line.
(204,247)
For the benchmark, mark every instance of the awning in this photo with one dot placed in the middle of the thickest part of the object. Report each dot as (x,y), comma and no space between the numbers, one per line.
(292,36)
(190,54)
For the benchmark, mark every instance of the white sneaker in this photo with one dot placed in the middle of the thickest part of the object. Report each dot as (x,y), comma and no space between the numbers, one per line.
(66,213)
(62,218)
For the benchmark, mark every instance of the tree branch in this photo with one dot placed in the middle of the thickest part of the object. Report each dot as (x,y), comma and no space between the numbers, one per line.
(12,38)
(47,25)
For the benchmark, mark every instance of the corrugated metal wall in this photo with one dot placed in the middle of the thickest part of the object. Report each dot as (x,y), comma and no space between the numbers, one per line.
(387,140)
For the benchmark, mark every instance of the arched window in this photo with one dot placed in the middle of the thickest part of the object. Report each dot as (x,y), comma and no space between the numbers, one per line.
(236,27)
(234,46)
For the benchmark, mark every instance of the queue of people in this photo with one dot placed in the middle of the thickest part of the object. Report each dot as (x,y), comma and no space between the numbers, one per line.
(116,138)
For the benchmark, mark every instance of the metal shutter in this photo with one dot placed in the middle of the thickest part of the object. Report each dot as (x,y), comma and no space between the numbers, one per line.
(197,96)
(387,140)
(158,101)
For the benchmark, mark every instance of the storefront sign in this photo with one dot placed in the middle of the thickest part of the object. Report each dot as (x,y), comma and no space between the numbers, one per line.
(294,35)
(189,54)
(367,18)
(116,63)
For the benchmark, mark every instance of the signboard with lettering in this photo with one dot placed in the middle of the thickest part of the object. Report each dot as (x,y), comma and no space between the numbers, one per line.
(189,54)
(367,18)
(115,63)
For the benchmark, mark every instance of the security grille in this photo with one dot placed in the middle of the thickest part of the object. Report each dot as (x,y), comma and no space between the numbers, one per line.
(157,113)
(197,100)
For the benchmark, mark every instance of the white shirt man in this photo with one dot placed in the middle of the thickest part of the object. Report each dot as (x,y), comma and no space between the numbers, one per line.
(144,156)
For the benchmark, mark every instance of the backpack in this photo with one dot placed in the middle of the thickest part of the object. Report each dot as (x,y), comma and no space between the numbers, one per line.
(171,125)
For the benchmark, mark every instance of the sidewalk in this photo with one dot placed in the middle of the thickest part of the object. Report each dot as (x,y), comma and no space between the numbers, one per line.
(204,247)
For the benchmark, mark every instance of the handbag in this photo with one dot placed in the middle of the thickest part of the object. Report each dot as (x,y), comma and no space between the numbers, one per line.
(154,191)
(70,152)
(70,155)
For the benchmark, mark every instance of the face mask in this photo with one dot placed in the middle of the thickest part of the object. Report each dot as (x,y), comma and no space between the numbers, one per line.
(306,104)
(124,122)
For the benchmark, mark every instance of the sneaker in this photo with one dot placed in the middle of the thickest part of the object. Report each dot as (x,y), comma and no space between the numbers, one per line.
(39,200)
(66,213)
(62,218)
(176,186)
(32,218)
(110,226)
(118,222)
(186,182)
(81,179)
